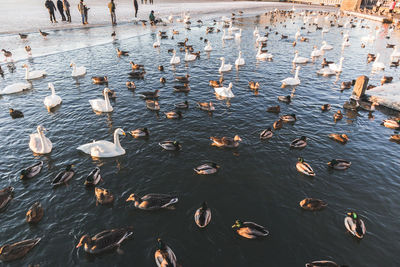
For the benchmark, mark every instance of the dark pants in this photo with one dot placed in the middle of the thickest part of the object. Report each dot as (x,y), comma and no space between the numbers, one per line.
(83,18)
(136,10)
(151,1)
(68,15)
(113,18)
(52,16)
(62,14)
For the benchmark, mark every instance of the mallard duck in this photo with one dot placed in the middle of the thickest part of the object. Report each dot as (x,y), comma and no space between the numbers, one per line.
(254,85)
(7,54)
(163,80)
(288,118)
(304,167)
(347,85)
(202,216)
(183,43)
(64,176)
(122,53)
(340,138)
(249,230)
(164,256)
(182,105)
(93,178)
(207,168)
(170,145)
(10,252)
(325,107)
(130,85)
(44,34)
(339,164)
(286,99)
(31,171)
(337,116)
(183,79)
(173,114)
(391,123)
(141,132)
(152,105)
(22,36)
(150,95)
(274,109)
(324,263)
(15,114)
(113,35)
(326,63)
(354,225)
(136,66)
(299,142)
(278,124)
(304,39)
(362,45)
(225,141)
(216,83)
(386,79)
(35,213)
(104,241)
(28,50)
(100,80)
(137,75)
(175,32)
(153,201)
(182,88)
(103,196)
(6,195)
(371,57)
(206,106)
(395,137)
(266,134)
(312,204)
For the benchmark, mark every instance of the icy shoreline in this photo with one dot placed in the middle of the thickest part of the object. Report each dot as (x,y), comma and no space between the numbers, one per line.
(34,13)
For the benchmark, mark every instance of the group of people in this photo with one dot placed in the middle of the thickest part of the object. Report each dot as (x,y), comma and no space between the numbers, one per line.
(64,6)
(150,2)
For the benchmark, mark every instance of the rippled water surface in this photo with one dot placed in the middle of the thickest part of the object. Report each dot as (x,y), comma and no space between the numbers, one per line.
(256,182)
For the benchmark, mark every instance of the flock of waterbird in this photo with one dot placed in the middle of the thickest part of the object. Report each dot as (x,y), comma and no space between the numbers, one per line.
(164,256)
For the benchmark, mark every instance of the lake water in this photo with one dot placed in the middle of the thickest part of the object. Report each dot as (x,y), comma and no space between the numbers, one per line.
(257,182)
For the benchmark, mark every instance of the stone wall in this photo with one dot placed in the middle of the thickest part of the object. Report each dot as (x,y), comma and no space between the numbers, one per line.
(350,5)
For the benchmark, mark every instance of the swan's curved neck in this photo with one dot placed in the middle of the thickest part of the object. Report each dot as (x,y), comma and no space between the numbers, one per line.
(296,76)
(41,137)
(74,67)
(341,64)
(27,73)
(53,92)
(377,57)
(116,140)
(107,100)
(223,63)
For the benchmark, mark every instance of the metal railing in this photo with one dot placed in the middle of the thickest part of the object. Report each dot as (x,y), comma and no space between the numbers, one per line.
(320,2)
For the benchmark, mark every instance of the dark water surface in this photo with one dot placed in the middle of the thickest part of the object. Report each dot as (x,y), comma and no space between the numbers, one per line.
(256,182)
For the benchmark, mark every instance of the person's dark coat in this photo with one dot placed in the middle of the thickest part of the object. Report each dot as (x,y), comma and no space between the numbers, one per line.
(50,5)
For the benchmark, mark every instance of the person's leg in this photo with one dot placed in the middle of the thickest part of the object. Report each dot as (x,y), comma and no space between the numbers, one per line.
(51,18)
(83,18)
(136,12)
(68,15)
(54,16)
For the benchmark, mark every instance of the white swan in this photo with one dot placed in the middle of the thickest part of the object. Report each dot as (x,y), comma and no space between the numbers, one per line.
(52,100)
(255,32)
(35,74)
(15,88)
(299,60)
(239,61)
(77,71)
(224,91)
(208,47)
(335,67)
(104,149)
(238,35)
(261,38)
(326,71)
(326,46)
(224,67)
(231,28)
(263,56)
(190,57)
(316,52)
(325,30)
(157,43)
(39,143)
(174,60)
(292,81)
(346,35)
(226,37)
(102,105)
(395,54)
(377,65)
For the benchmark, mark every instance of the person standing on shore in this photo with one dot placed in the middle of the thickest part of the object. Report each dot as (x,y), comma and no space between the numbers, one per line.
(51,8)
(392,6)
(151,1)
(60,7)
(135,3)
(66,9)
(86,9)
(152,18)
(111,6)
(81,8)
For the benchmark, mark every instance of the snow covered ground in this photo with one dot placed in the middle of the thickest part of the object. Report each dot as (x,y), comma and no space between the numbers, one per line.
(31,15)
